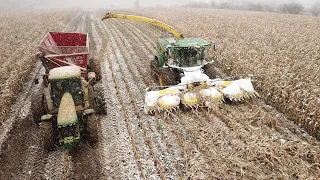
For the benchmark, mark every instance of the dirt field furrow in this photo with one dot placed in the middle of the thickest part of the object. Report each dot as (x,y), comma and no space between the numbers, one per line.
(133,90)
(138,56)
(148,123)
(118,159)
(138,135)
(139,36)
(58,166)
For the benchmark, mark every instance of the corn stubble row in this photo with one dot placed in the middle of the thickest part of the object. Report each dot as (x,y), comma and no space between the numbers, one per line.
(282,51)
(19,36)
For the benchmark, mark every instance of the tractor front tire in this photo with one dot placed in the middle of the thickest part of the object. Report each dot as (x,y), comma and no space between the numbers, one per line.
(92,128)
(37,106)
(210,71)
(154,69)
(167,77)
(47,136)
(94,66)
(99,99)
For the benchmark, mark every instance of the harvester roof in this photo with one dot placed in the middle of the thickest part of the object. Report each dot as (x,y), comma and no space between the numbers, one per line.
(184,42)
(65,72)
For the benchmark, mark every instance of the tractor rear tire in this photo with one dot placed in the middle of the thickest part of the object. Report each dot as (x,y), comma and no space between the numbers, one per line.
(47,135)
(92,128)
(210,71)
(37,106)
(94,66)
(168,77)
(99,99)
(154,69)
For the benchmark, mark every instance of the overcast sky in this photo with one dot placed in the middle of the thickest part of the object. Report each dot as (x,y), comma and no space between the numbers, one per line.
(27,4)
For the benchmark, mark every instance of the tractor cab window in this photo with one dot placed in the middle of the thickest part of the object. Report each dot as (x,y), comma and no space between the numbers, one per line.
(189,56)
(70,85)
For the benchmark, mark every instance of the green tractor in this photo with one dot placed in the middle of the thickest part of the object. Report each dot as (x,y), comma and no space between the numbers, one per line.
(69,102)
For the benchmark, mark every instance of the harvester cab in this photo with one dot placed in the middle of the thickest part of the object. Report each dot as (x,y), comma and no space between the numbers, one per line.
(186,77)
(175,57)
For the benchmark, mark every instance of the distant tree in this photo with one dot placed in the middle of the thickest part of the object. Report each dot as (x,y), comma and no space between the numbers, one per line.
(194,4)
(291,8)
(250,6)
(225,5)
(137,3)
(315,9)
(213,4)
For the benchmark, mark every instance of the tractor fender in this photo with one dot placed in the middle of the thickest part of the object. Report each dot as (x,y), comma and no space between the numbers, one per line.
(67,113)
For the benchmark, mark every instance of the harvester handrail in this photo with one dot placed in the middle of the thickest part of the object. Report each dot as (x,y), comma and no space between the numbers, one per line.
(132,18)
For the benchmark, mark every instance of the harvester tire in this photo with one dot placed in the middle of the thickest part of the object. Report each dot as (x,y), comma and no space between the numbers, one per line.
(94,66)
(168,77)
(92,128)
(154,69)
(210,71)
(99,99)
(47,137)
(37,106)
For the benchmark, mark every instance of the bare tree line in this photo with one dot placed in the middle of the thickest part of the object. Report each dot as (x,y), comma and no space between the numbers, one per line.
(287,8)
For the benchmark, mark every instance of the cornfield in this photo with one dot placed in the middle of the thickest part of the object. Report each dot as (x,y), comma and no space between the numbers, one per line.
(281,51)
(19,36)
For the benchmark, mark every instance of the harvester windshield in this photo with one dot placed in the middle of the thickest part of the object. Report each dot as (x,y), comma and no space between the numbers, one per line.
(188,56)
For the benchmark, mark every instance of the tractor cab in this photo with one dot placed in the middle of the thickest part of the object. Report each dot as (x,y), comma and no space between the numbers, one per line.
(66,79)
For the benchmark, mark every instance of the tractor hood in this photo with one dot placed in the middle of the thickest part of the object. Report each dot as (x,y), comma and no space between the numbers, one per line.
(67,112)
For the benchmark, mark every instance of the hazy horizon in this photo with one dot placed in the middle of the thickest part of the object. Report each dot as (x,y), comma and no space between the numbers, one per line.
(38,4)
